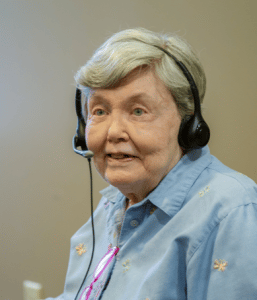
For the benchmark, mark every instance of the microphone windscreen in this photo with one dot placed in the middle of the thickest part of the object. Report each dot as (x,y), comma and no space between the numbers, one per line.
(88,154)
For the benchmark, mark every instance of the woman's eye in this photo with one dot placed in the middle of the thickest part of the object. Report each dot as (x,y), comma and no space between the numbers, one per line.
(138,111)
(99,110)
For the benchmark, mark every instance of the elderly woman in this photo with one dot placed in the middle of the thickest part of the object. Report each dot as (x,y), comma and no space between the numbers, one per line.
(173,223)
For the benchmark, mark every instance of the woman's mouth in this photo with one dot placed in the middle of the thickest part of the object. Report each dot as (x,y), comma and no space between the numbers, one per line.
(120,157)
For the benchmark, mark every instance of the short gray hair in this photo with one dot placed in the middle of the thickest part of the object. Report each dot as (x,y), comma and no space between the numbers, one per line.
(132,48)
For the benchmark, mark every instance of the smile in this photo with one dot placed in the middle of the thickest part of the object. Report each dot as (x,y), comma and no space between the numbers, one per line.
(120,160)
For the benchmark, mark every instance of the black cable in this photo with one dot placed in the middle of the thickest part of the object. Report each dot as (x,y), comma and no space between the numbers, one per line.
(92,219)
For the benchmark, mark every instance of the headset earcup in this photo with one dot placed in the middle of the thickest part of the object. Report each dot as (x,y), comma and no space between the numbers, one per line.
(183,138)
(194,133)
(202,134)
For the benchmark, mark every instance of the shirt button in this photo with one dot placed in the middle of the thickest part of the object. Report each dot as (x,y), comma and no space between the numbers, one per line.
(134,223)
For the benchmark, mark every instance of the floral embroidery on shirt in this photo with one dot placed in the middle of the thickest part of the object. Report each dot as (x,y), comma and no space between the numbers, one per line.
(220,265)
(153,210)
(206,190)
(201,194)
(81,249)
(240,173)
(126,265)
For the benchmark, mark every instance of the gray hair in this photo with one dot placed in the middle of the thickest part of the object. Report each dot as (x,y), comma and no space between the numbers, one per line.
(132,48)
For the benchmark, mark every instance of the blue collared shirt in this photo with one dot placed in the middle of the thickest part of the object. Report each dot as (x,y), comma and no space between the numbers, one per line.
(193,237)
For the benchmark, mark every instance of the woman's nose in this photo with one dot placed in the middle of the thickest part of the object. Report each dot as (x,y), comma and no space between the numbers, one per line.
(117,129)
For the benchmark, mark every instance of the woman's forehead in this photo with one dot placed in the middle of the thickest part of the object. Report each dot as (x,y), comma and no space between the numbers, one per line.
(143,87)
(98,97)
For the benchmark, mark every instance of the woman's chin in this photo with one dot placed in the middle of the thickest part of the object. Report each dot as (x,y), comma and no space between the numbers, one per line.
(119,180)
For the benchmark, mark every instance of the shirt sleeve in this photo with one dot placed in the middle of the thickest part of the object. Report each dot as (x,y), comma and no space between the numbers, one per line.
(225,265)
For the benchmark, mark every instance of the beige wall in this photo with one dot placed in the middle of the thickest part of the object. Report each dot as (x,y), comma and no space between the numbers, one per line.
(44,185)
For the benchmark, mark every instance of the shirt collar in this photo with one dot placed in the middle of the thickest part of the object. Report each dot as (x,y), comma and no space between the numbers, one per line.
(170,193)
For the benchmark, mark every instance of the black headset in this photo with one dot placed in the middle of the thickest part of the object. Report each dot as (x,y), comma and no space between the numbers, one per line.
(194,133)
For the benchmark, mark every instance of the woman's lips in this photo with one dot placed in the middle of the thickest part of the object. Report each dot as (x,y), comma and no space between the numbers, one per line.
(120,160)
(119,155)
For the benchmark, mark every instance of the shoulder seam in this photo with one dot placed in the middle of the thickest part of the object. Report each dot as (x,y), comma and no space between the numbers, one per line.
(218,223)
(241,184)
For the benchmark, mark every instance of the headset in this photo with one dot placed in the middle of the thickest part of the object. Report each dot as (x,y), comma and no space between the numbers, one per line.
(194,133)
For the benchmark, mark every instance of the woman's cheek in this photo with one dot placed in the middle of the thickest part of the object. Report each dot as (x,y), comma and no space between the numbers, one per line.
(89,137)
(95,138)
(89,129)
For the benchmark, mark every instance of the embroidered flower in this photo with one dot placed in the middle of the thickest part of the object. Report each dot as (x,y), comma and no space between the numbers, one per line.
(240,173)
(153,210)
(81,249)
(126,265)
(220,265)
(201,193)
(207,188)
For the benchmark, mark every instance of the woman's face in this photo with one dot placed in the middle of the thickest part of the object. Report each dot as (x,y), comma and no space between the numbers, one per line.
(138,118)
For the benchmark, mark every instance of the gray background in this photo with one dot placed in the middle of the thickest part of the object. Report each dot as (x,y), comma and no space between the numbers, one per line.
(45,195)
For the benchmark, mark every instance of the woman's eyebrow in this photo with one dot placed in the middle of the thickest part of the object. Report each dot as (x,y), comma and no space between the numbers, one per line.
(131,99)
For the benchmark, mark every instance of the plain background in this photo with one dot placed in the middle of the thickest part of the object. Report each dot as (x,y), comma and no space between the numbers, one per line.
(45,187)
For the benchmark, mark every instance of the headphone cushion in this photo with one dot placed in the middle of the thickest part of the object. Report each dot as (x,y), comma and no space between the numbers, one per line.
(194,133)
